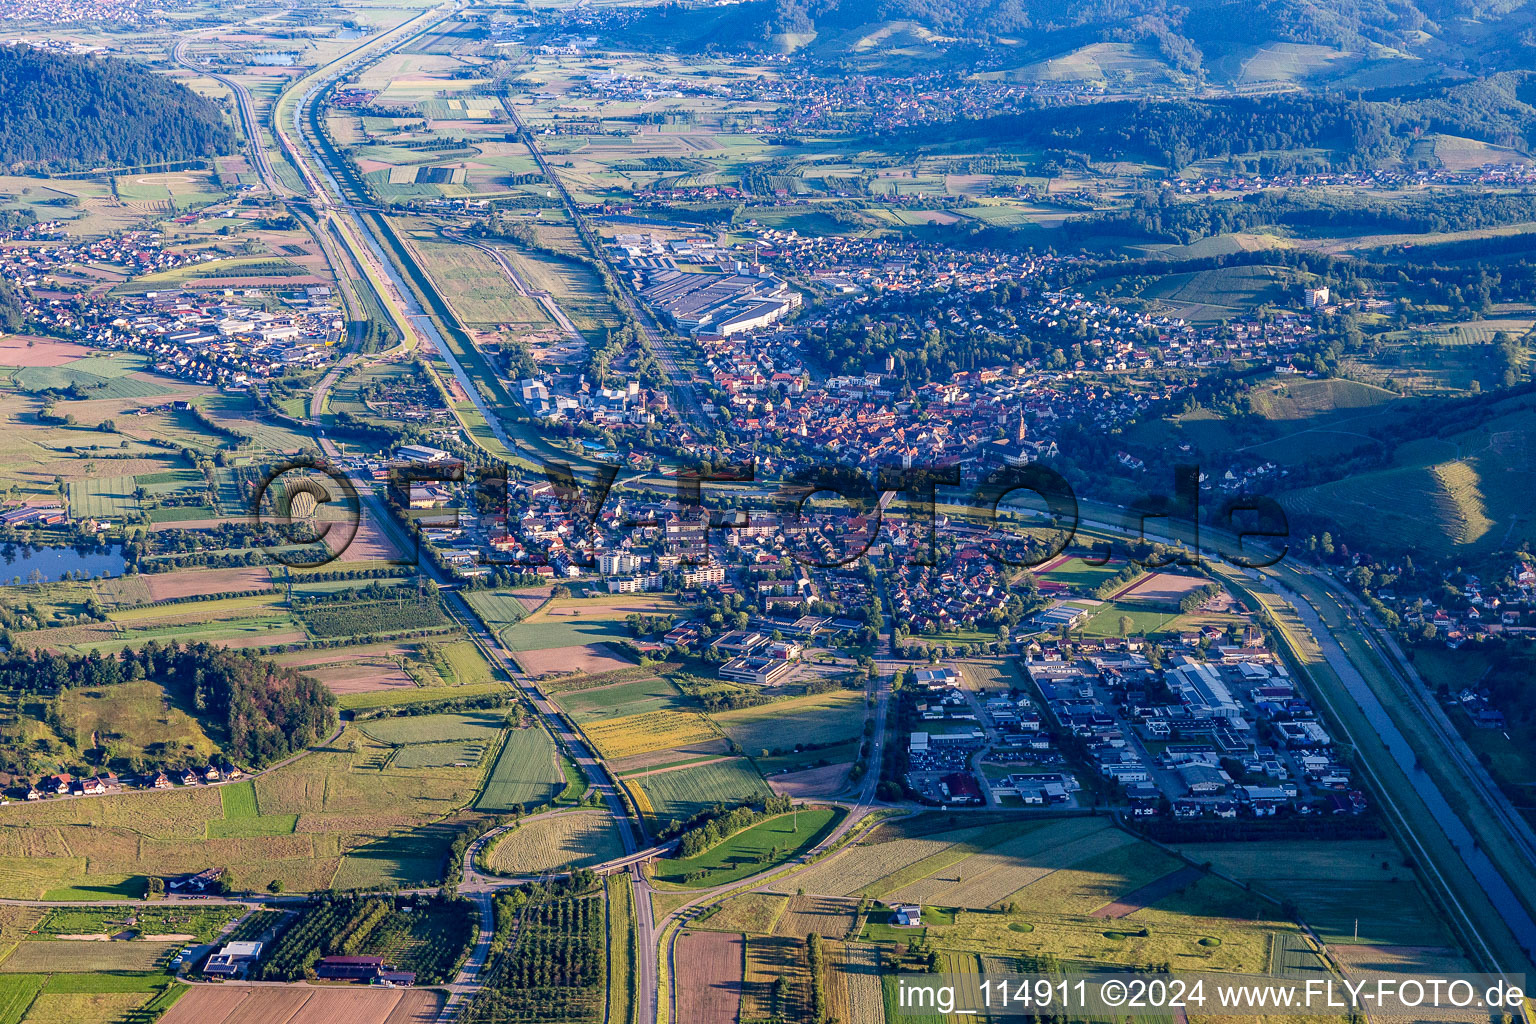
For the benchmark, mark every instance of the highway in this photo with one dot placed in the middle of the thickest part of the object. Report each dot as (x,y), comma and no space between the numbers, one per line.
(331,201)
(1414,689)
(1472,857)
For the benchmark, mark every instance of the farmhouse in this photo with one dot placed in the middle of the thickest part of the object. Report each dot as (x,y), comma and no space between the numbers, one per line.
(907,917)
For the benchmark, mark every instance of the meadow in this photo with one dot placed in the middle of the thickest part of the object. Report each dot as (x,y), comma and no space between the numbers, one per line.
(753,850)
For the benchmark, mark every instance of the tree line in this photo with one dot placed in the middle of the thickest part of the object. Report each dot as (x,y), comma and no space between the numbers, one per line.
(264,711)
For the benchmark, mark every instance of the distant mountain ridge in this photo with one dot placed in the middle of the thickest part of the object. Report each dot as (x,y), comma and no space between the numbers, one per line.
(1190,35)
(61,112)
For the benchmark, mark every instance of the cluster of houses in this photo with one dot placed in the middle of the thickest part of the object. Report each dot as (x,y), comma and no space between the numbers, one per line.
(57,262)
(65,784)
(968,591)
(869,102)
(632,405)
(1468,609)
(1390,179)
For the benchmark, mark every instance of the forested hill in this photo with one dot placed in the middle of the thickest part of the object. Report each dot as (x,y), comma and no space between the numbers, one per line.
(60,112)
(1175,134)
(1190,36)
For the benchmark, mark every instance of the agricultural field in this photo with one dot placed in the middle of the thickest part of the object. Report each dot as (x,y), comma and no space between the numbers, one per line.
(1367,880)
(527,772)
(498,608)
(622,967)
(886,852)
(477,726)
(753,912)
(683,792)
(43,956)
(992,674)
(828,917)
(83,1007)
(622,700)
(811,722)
(590,659)
(628,735)
(709,976)
(769,959)
(239,1004)
(560,841)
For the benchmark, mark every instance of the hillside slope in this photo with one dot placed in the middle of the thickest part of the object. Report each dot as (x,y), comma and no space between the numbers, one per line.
(60,112)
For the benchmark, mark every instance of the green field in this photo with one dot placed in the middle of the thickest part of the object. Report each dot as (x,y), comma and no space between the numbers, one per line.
(684,792)
(753,850)
(621,699)
(815,720)
(243,818)
(239,801)
(543,633)
(481,726)
(498,608)
(526,772)
(16,993)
